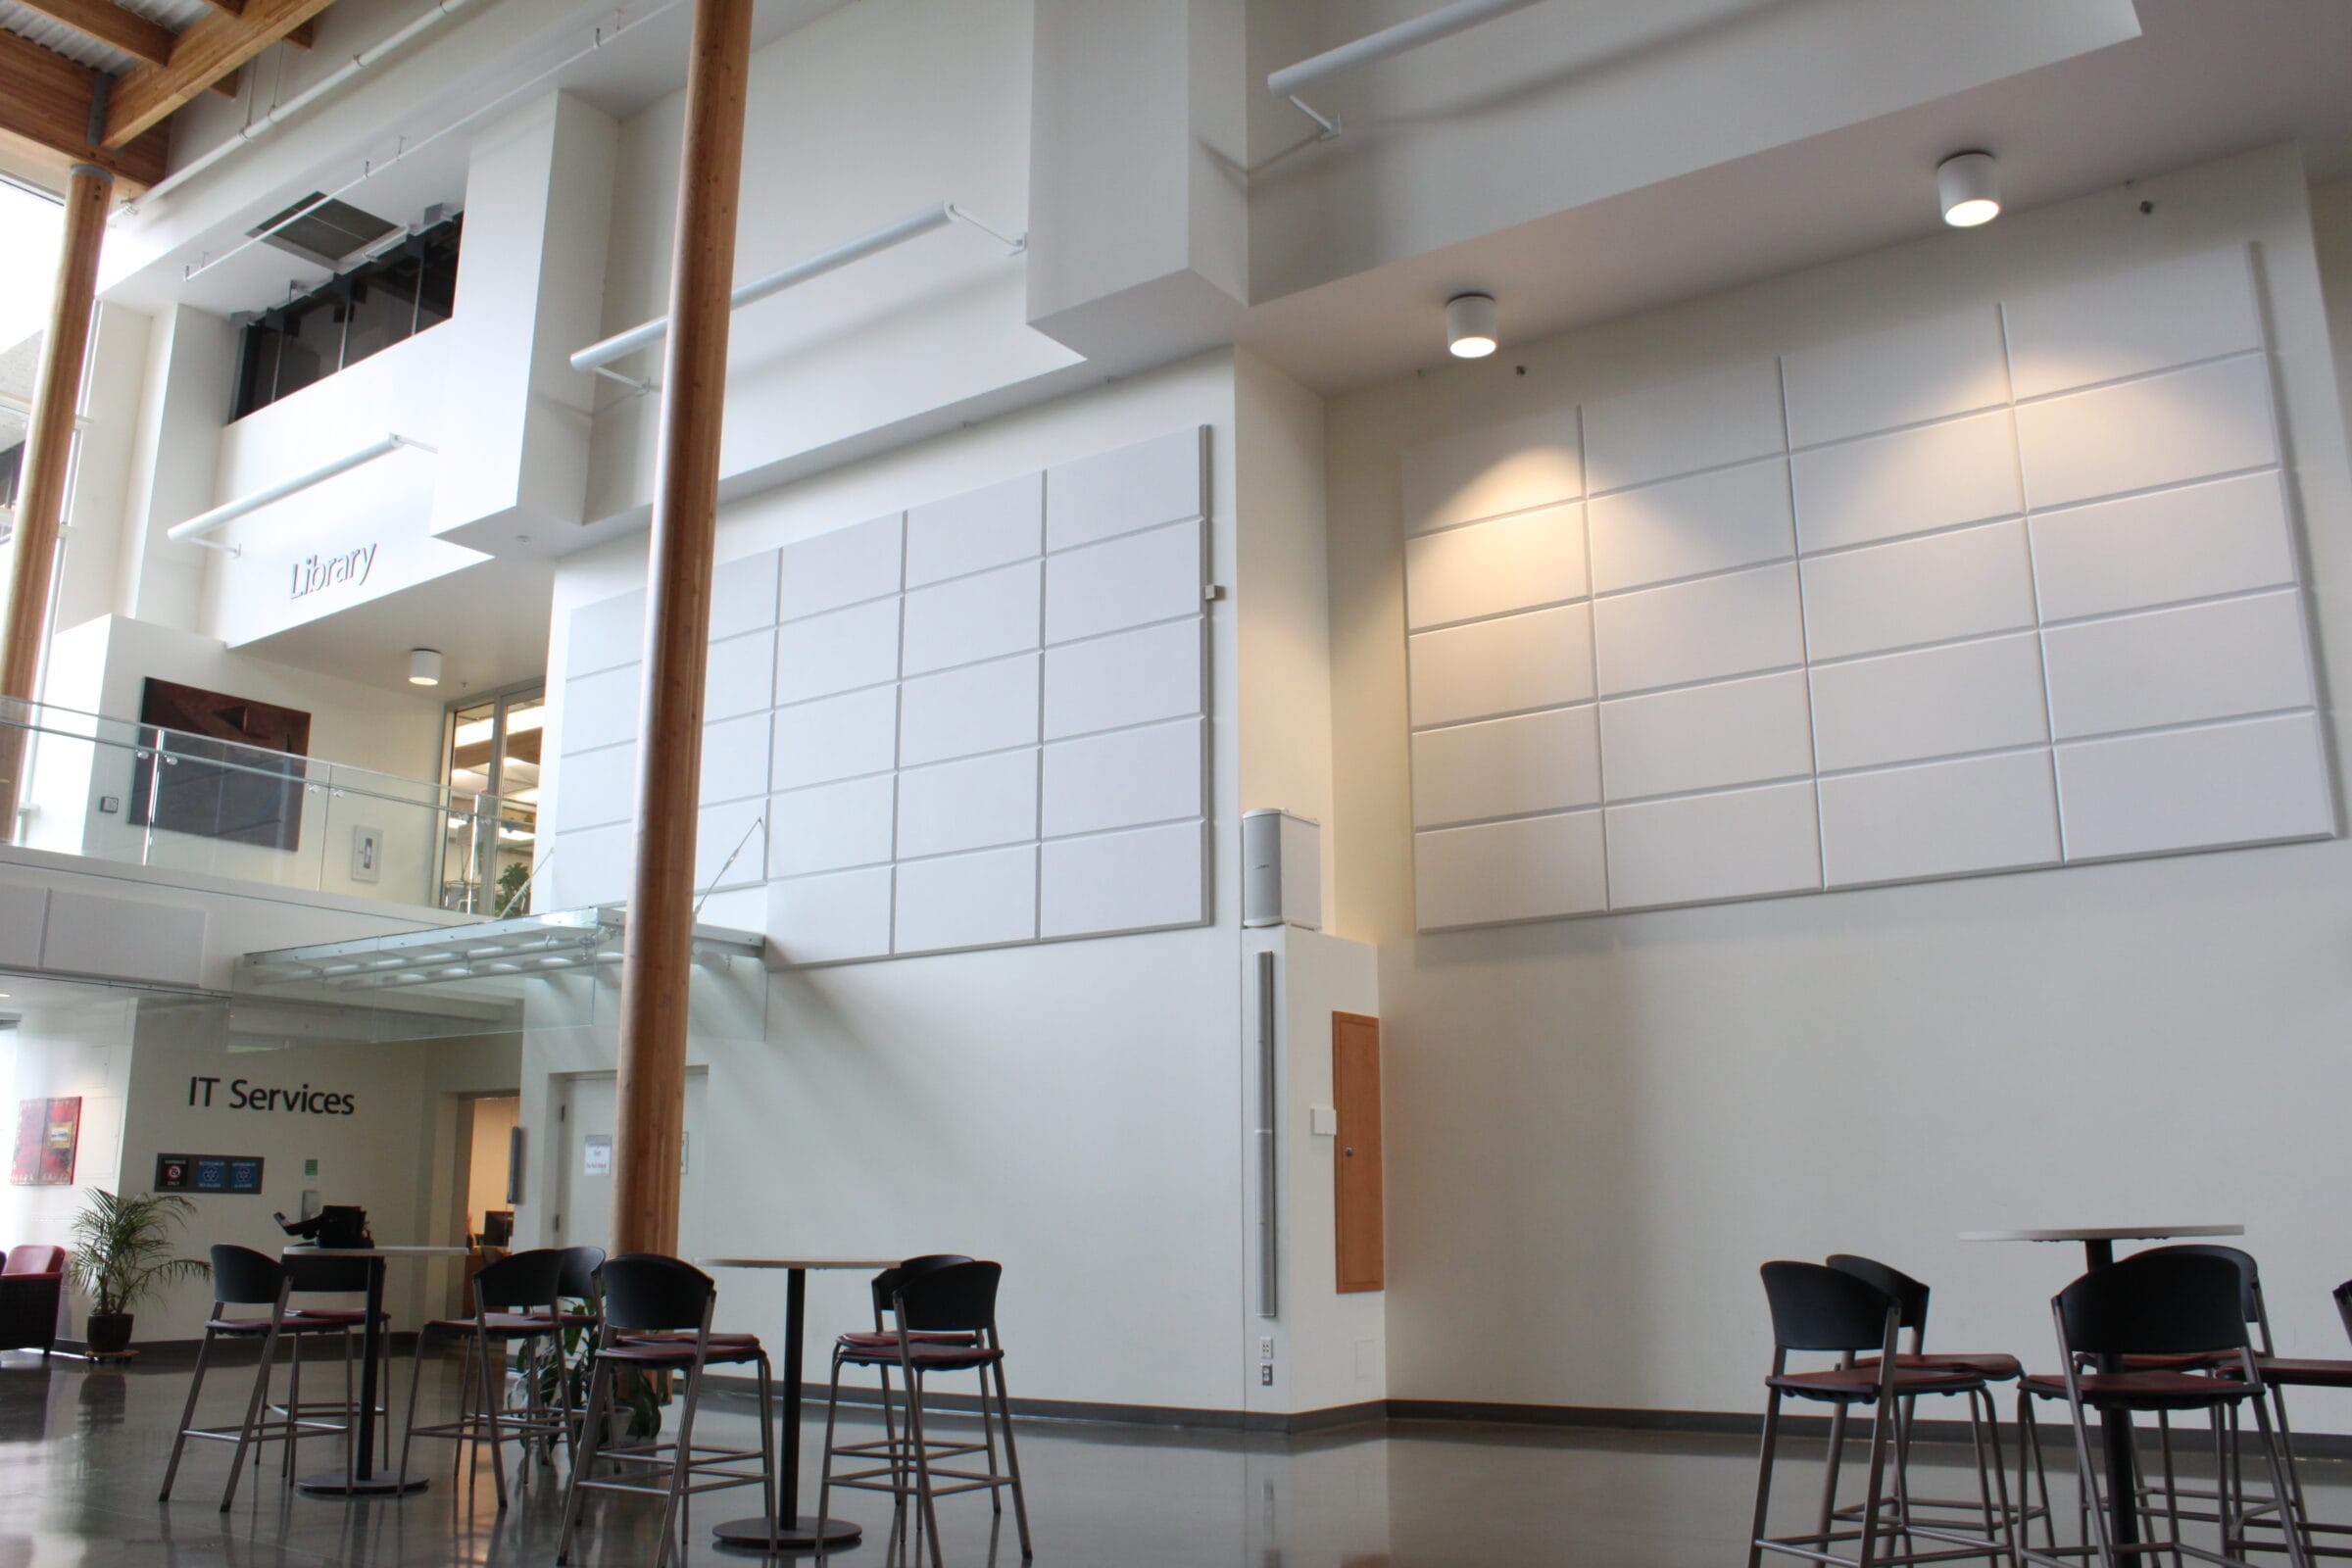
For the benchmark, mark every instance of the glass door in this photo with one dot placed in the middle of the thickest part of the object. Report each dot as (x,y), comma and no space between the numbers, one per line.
(493,753)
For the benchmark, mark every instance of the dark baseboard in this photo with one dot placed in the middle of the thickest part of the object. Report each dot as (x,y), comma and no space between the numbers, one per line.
(183,1352)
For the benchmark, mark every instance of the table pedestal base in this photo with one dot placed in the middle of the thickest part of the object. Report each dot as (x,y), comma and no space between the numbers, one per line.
(792,1535)
(383,1484)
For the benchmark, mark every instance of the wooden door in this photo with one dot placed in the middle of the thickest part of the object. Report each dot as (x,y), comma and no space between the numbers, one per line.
(1362,1221)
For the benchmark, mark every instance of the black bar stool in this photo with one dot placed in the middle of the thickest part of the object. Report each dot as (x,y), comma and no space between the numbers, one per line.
(883,1289)
(515,1300)
(930,1309)
(2168,1315)
(243,1277)
(1816,1308)
(327,1276)
(657,1321)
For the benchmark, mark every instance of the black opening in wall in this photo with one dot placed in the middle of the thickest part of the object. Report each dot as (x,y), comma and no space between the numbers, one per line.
(363,312)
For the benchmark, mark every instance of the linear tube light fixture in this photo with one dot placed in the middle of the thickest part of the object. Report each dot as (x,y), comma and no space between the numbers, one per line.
(922,221)
(193,530)
(1292,80)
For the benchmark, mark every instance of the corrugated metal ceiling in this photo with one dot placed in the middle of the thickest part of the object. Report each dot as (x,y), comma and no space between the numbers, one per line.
(82,51)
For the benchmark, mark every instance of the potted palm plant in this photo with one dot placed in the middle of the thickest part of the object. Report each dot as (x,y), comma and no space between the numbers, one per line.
(123,1254)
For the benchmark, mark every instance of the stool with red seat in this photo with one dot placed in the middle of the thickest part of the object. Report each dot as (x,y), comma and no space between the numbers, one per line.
(243,1277)
(657,1321)
(314,1277)
(1816,1308)
(944,1320)
(883,1291)
(515,1300)
(2161,1315)
(1994,1366)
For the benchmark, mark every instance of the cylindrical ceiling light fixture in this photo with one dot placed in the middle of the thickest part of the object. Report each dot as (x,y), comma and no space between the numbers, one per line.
(424,666)
(1470,325)
(1970,189)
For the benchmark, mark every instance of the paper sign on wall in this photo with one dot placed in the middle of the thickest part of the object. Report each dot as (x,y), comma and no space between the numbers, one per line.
(595,1154)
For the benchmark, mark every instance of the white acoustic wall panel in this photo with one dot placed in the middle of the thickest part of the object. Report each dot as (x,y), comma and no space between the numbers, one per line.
(1135,487)
(1125,779)
(1914,591)
(838,650)
(1908,481)
(973,803)
(2178,666)
(1737,624)
(958,713)
(125,939)
(1511,665)
(734,763)
(2037,602)
(1907,374)
(605,635)
(1131,581)
(739,676)
(971,618)
(831,827)
(967,900)
(1129,677)
(730,845)
(845,567)
(988,527)
(1702,422)
(1516,465)
(2222,536)
(1143,880)
(1976,814)
(828,919)
(1700,848)
(1490,569)
(23,912)
(600,710)
(1983,696)
(1507,768)
(1535,869)
(591,866)
(836,737)
(1706,737)
(2175,313)
(743,595)
(2253,781)
(598,787)
(1706,523)
(2165,429)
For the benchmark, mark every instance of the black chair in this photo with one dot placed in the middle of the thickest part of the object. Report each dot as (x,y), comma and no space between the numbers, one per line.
(2174,1319)
(657,1321)
(242,1277)
(883,1291)
(944,1320)
(515,1301)
(1994,1366)
(1816,1308)
(328,1276)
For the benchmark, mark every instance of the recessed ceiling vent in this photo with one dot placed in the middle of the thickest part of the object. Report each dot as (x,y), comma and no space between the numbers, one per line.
(326,232)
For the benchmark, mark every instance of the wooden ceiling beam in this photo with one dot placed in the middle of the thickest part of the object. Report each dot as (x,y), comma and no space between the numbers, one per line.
(109,23)
(45,117)
(210,49)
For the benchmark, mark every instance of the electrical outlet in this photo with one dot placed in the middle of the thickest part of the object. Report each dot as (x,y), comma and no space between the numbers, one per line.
(1265,1376)
(1265,1347)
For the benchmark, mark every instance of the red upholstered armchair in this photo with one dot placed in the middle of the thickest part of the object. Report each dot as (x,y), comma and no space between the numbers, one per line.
(30,1283)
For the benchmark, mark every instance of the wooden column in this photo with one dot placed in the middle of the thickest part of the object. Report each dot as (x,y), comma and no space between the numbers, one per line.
(658,956)
(48,457)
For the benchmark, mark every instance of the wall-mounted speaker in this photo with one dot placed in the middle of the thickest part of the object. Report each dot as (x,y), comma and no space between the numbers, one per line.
(1281,871)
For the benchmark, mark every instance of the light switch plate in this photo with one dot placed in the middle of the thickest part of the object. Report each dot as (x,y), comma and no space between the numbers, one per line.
(1323,1121)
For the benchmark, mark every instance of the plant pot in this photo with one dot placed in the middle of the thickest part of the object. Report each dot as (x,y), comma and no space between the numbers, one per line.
(108,1333)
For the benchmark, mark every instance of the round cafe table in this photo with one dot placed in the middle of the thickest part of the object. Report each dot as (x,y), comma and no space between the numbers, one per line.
(794,1529)
(365,1481)
(2098,1252)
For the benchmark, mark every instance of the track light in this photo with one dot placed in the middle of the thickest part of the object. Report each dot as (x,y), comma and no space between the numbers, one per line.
(1970,189)
(1470,325)
(424,666)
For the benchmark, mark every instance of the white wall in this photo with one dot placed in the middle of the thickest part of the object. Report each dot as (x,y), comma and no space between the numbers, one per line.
(852,121)
(1073,1109)
(1611,1122)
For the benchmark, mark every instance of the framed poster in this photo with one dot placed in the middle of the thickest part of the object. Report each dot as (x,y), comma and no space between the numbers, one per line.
(220,777)
(48,1140)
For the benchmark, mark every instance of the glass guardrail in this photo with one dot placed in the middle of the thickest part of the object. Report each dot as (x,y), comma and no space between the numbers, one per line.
(144,795)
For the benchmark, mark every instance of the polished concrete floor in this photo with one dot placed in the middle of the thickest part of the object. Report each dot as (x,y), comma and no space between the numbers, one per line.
(82,1452)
